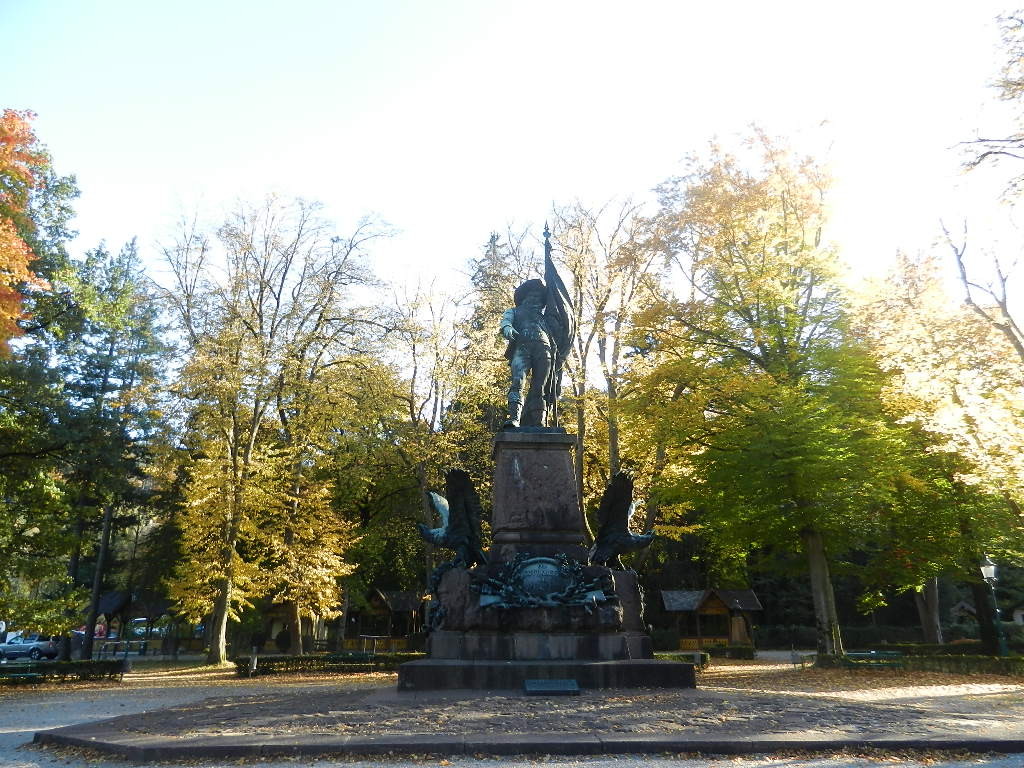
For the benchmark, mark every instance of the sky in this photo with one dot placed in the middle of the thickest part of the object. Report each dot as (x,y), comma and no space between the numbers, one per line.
(451,119)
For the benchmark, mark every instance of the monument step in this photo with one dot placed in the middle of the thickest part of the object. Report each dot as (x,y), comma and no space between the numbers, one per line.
(442,674)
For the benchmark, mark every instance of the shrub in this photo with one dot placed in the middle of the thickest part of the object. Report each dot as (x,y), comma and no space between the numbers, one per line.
(665,639)
(961,632)
(870,635)
(969,665)
(339,663)
(731,651)
(1014,635)
(1012,666)
(704,656)
(65,671)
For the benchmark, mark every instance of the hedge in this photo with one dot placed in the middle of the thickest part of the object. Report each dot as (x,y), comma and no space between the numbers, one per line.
(705,657)
(731,651)
(1011,666)
(970,648)
(783,637)
(64,671)
(340,663)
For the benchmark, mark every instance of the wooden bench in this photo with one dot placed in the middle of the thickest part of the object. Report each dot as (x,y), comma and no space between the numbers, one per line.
(21,677)
(872,659)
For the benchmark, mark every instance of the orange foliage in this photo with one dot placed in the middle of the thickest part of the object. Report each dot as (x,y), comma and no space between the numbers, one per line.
(20,159)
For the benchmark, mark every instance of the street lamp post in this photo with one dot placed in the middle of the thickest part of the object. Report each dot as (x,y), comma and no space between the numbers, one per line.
(988,573)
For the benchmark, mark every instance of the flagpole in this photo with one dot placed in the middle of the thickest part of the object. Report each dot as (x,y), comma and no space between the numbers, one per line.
(558,375)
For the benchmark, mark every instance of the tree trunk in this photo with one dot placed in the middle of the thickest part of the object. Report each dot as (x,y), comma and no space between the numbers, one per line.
(428,520)
(172,636)
(97,584)
(652,508)
(76,556)
(295,619)
(614,463)
(830,641)
(218,652)
(343,625)
(927,602)
(581,433)
(218,629)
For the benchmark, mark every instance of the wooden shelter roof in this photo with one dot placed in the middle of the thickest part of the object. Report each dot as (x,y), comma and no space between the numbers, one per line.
(693,599)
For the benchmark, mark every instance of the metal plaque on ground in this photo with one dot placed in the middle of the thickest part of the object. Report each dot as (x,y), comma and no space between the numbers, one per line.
(554,687)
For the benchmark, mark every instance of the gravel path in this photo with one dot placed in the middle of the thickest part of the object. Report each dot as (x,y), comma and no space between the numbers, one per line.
(734,699)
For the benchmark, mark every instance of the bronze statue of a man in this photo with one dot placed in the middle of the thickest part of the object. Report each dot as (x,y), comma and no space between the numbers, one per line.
(539,329)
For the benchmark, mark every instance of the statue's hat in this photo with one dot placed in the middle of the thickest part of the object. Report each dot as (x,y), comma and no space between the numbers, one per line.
(528,287)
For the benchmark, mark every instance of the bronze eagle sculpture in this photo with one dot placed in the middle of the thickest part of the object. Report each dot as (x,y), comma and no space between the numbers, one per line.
(460,515)
(613,536)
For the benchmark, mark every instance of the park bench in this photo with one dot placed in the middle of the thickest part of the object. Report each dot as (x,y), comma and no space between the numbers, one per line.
(872,659)
(698,658)
(113,648)
(803,659)
(350,657)
(20,677)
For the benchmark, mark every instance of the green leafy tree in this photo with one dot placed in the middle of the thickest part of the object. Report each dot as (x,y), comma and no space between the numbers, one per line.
(750,370)
(37,419)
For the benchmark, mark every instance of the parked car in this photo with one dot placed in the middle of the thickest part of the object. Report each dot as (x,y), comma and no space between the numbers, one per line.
(34,646)
(139,626)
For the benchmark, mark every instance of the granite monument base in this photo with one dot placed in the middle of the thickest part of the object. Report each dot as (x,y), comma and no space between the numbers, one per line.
(539,646)
(439,674)
(538,609)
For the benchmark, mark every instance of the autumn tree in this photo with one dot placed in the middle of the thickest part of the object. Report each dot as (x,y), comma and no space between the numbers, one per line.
(375,489)
(1009,86)
(22,163)
(986,286)
(956,376)
(776,423)
(961,370)
(614,268)
(989,297)
(268,323)
(480,371)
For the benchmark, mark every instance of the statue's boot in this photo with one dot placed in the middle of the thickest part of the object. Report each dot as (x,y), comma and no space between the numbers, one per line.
(534,415)
(514,409)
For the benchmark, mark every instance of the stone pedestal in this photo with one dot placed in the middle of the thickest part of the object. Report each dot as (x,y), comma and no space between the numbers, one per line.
(537,610)
(440,674)
(536,505)
(539,646)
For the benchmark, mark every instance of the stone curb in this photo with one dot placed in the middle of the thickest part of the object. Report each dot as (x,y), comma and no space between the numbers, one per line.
(152,749)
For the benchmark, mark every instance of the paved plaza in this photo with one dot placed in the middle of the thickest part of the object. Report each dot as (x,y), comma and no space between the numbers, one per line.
(801,716)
